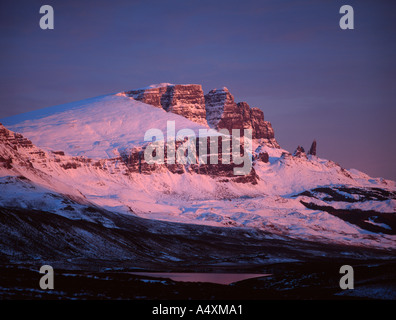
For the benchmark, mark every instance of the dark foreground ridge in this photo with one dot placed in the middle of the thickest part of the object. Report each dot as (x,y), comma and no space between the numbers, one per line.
(92,261)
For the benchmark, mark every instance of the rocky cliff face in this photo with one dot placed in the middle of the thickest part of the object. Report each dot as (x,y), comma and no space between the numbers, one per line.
(217,109)
(261,128)
(185,100)
(10,145)
(246,113)
(223,113)
(135,161)
(151,95)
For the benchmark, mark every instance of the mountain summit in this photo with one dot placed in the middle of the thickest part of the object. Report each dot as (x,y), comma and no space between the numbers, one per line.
(217,109)
(89,153)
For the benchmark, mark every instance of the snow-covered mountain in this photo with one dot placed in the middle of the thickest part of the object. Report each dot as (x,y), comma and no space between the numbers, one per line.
(85,154)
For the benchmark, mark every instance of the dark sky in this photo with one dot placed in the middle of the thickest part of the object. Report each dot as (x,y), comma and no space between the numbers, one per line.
(290,58)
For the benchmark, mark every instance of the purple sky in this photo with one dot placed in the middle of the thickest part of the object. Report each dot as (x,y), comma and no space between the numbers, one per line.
(290,58)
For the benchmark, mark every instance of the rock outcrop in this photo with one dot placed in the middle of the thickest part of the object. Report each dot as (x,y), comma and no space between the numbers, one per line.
(135,161)
(18,152)
(186,100)
(221,110)
(263,156)
(312,150)
(223,113)
(217,109)
(261,128)
(299,152)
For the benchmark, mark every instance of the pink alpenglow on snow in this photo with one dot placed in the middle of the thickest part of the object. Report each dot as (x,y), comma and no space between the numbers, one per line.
(94,150)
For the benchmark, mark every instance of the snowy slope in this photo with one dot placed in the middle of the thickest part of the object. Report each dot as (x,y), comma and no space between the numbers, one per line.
(93,131)
(97,127)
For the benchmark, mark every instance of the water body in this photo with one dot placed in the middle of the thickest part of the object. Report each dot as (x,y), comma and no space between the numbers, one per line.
(219,278)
